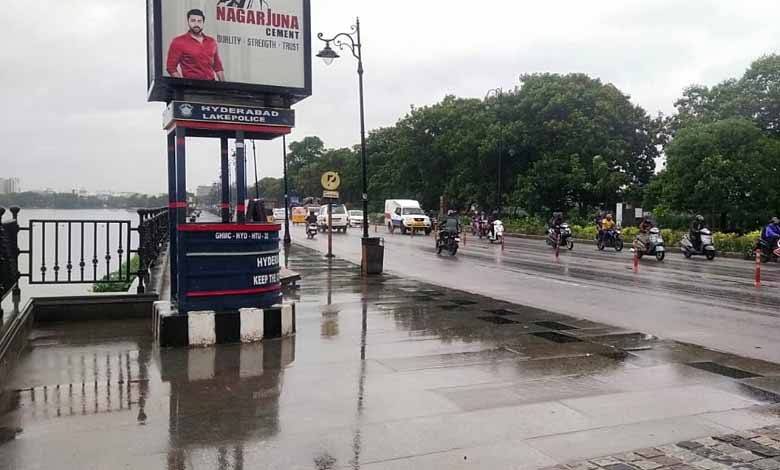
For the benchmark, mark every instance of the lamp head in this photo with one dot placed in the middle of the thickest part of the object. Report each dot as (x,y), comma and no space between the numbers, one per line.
(327,54)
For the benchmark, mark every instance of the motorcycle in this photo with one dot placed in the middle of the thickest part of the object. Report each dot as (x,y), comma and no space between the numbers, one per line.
(497,236)
(706,247)
(654,247)
(610,238)
(311,231)
(564,240)
(447,241)
(768,251)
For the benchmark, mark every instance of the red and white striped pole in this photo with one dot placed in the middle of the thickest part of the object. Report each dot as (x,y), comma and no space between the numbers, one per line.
(636,258)
(758,269)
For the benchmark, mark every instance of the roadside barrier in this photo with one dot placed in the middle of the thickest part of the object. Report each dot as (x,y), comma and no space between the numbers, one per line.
(636,259)
(758,269)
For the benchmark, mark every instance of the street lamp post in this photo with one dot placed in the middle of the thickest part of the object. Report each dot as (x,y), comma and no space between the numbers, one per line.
(498,93)
(352,42)
(286,194)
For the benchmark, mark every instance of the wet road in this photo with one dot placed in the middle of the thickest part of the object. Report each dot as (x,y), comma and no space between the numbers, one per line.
(385,373)
(714,304)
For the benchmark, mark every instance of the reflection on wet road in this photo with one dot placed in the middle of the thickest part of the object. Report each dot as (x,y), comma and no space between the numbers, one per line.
(384,373)
(714,304)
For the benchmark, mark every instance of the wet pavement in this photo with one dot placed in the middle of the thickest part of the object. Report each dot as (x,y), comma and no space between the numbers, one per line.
(714,304)
(382,374)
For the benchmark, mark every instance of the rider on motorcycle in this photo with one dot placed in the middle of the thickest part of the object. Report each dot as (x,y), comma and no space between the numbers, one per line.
(311,219)
(451,224)
(599,228)
(607,224)
(492,218)
(556,221)
(644,228)
(694,231)
(771,233)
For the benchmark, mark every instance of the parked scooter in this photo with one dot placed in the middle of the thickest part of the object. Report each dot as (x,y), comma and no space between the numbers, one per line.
(610,239)
(706,247)
(653,247)
(565,238)
(311,231)
(497,236)
(768,251)
(447,241)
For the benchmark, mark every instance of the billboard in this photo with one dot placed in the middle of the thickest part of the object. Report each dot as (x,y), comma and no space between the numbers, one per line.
(229,47)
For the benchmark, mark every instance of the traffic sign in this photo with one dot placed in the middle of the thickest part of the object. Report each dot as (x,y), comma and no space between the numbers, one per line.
(330,194)
(330,181)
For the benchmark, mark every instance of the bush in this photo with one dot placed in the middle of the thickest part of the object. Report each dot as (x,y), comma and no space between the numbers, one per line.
(135,262)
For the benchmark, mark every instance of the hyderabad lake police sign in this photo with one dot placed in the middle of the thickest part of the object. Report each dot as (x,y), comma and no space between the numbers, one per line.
(228,114)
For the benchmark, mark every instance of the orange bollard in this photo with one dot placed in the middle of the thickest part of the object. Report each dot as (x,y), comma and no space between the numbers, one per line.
(636,259)
(758,269)
(464,238)
(376,228)
(502,243)
(557,250)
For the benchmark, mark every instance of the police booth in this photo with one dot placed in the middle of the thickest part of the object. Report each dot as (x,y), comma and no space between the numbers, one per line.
(231,73)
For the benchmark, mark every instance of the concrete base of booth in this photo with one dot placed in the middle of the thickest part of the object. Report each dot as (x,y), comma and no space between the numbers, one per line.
(206,328)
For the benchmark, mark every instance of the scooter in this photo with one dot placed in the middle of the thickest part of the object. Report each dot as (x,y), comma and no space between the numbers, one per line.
(706,247)
(610,238)
(654,247)
(497,235)
(565,237)
(768,251)
(447,241)
(311,231)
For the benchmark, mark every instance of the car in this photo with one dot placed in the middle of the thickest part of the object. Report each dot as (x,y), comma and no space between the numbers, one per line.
(339,218)
(279,214)
(356,218)
(406,215)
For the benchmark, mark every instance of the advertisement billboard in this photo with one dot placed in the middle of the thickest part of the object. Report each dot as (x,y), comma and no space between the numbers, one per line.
(233,47)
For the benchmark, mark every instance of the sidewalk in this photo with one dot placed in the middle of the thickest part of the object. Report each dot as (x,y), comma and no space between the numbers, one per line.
(383,373)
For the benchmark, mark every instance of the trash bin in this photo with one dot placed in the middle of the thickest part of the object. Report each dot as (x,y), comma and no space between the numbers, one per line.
(373,255)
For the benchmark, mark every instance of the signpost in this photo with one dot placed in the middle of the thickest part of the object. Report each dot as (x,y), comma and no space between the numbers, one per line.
(330,183)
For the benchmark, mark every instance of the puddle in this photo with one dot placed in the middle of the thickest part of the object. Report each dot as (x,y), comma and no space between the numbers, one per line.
(716,368)
(556,337)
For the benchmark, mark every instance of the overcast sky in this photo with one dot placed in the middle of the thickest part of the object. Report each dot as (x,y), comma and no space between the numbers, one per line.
(73,72)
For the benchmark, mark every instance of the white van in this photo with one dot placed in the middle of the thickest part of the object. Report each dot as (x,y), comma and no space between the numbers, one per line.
(339,218)
(407,215)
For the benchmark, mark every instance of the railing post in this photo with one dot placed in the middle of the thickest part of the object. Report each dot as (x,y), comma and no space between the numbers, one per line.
(142,250)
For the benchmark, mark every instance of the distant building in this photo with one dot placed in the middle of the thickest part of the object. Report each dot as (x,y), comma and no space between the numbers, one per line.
(10,186)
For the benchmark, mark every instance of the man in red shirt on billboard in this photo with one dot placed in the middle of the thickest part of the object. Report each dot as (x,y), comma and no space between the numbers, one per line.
(193,55)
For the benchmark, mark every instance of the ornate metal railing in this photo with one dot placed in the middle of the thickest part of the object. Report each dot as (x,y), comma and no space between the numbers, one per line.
(152,235)
(87,251)
(9,253)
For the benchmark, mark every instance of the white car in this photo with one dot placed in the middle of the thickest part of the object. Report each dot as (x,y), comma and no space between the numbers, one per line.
(279,214)
(356,218)
(339,218)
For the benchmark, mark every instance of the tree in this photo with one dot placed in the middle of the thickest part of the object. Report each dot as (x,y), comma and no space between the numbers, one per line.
(727,170)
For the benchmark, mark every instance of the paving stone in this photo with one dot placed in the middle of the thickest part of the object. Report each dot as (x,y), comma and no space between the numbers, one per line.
(759,449)
(604,461)
(707,452)
(628,457)
(620,466)
(765,441)
(649,453)
(646,464)
(689,444)
(666,461)
(746,456)
(669,449)
(683,467)
(582,466)
(687,456)
(707,441)
(707,464)
(766,464)
(727,449)
(731,438)
(747,434)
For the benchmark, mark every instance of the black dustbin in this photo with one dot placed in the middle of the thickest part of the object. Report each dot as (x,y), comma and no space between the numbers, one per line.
(374,255)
